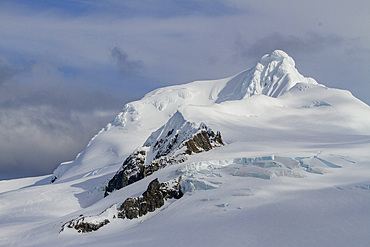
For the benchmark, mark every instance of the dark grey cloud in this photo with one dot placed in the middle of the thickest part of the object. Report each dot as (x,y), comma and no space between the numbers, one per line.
(8,71)
(293,44)
(48,120)
(126,65)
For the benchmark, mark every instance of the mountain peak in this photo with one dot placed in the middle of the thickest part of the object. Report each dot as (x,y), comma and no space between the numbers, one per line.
(277,55)
(273,75)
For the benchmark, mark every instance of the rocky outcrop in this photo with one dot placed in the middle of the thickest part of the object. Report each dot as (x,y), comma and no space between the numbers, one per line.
(166,146)
(132,170)
(153,198)
(203,141)
(82,227)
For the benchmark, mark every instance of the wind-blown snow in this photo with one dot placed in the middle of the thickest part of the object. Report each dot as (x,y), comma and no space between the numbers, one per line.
(295,170)
(273,76)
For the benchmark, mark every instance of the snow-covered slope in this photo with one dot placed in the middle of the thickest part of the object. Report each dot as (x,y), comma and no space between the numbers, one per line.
(264,158)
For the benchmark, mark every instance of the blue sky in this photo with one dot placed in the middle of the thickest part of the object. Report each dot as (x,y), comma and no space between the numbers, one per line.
(68,67)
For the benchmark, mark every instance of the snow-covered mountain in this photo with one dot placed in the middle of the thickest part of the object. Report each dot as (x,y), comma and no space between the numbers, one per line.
(267,157)
(273,76)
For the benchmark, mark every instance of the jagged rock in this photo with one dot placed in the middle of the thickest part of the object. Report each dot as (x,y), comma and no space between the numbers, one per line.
(132,171)
(89,227)
(203,141)
(153,198)
(168,146)
(130,208)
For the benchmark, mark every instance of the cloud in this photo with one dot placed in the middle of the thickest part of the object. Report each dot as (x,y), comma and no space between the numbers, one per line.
(34,140)
(48,119)
(125,65)
(7,71)
(311,43)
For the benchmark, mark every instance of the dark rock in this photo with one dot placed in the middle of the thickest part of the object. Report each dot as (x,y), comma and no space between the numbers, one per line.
(153,198)
(82,227)
(132,171)
(131,208)
(135,169)
(89,227)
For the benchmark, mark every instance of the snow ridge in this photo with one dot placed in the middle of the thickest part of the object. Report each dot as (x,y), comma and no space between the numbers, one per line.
(273,75)
(173,135)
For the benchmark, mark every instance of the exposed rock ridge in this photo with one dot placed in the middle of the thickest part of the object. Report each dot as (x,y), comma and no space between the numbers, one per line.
(131,171)
(153,198)
(165,146)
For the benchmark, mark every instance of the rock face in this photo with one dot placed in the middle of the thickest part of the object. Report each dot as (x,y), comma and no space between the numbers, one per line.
(168,145)
(153,198)
(203,141)
(132,170)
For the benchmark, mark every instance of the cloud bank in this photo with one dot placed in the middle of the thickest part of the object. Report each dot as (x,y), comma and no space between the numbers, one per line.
(43,124)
